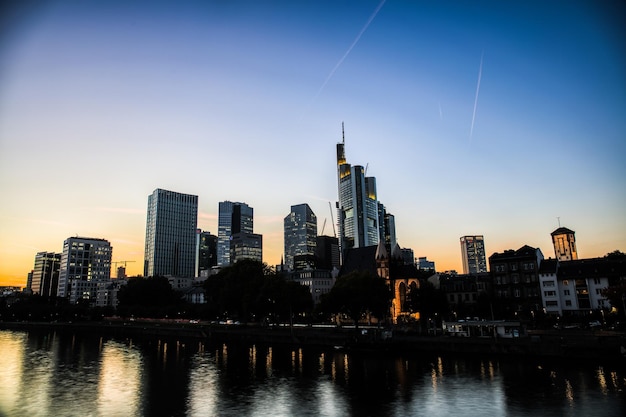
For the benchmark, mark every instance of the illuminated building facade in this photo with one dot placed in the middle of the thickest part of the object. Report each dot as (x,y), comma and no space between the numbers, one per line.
(45,279)
(564,244)
(170,248)
(473,254)
(84,263)
(357,215)
(233,218)
(246,246)
(300,228)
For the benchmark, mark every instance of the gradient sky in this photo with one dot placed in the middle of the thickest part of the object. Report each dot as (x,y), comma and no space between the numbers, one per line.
(493,118)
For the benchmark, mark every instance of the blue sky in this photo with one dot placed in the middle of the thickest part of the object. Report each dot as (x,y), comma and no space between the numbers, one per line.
(490,118)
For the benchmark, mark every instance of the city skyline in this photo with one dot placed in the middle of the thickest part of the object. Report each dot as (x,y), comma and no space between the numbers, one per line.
(501,120)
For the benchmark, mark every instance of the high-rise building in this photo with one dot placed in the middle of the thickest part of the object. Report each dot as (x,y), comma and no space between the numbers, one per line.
(45,280)
(84,262)
(387,227)
(171,234)
(473,254)
(233,218)
(327,253)
(357,215)
(206,252)
(564,244)
(300,228)
(246,246)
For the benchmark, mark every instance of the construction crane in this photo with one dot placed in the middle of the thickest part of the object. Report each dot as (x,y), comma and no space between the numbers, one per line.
(323,226)
(330,207)
(121,262)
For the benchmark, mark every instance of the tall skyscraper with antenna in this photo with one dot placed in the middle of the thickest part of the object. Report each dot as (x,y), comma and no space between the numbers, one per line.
(357,205)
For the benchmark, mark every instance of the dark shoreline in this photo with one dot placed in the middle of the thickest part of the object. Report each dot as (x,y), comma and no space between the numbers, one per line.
(577,345)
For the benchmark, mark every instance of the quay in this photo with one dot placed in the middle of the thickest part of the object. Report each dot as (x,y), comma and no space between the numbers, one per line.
(573,344)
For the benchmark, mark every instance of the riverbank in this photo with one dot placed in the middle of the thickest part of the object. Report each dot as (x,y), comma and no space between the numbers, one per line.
(578,344)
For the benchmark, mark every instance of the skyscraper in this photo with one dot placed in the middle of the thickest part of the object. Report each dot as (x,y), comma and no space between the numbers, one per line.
(84,262)
(473,254)
(387,228)
(357,206)
(564,244)
(45,279)
(206,252)
(170,248)
(300,228)
(233,218)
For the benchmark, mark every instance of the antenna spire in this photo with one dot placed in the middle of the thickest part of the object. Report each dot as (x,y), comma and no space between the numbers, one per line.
(559,220)
(343,134)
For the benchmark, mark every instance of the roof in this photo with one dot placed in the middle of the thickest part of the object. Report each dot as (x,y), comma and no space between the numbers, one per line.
(562,231)
(548,266)
(594,267)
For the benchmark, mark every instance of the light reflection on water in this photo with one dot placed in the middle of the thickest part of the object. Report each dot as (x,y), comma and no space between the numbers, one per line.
(53,374)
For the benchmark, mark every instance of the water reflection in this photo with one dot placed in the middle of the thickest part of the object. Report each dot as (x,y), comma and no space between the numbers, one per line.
(120,382)
(48,373)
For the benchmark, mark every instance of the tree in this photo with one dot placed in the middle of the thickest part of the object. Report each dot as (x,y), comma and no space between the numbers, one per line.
(358,293)
(249,290)
(148,297)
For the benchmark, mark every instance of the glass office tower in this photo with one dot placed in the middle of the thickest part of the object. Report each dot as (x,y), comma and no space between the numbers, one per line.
(170,248)
(233,218)
(300,228)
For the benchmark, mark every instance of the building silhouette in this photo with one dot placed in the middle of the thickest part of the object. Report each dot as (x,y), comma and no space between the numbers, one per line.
(473,254)
(516,280)
(170,248)
(357,206)
(85,262)
(233,217)
(327,253)
(300,229)
(564,244)
(387,227)
(45,274)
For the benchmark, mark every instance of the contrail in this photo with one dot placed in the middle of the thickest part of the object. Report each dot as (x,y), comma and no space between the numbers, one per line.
(356,40)
(480,73)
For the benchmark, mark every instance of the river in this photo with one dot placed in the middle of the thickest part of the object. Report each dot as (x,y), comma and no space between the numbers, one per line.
(52,373)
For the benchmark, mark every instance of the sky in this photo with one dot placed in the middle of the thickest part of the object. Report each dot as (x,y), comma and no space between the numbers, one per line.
(501,119)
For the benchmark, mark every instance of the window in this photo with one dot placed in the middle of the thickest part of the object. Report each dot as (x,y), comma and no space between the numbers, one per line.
(517,293)
(549,293)
(565,282)
(551,304)
(548,283)
(568,303)
(596,281)
(599,291)
(566,292)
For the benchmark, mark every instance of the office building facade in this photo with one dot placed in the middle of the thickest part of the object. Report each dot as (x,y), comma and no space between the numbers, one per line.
(473,254)
(206,253)
(246,246)
(233,218)
(357,206)
(170,248)
(300,229)
(84,263)
(45,274)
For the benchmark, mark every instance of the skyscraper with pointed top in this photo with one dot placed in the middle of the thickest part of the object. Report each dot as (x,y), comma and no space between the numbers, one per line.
(357,205)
